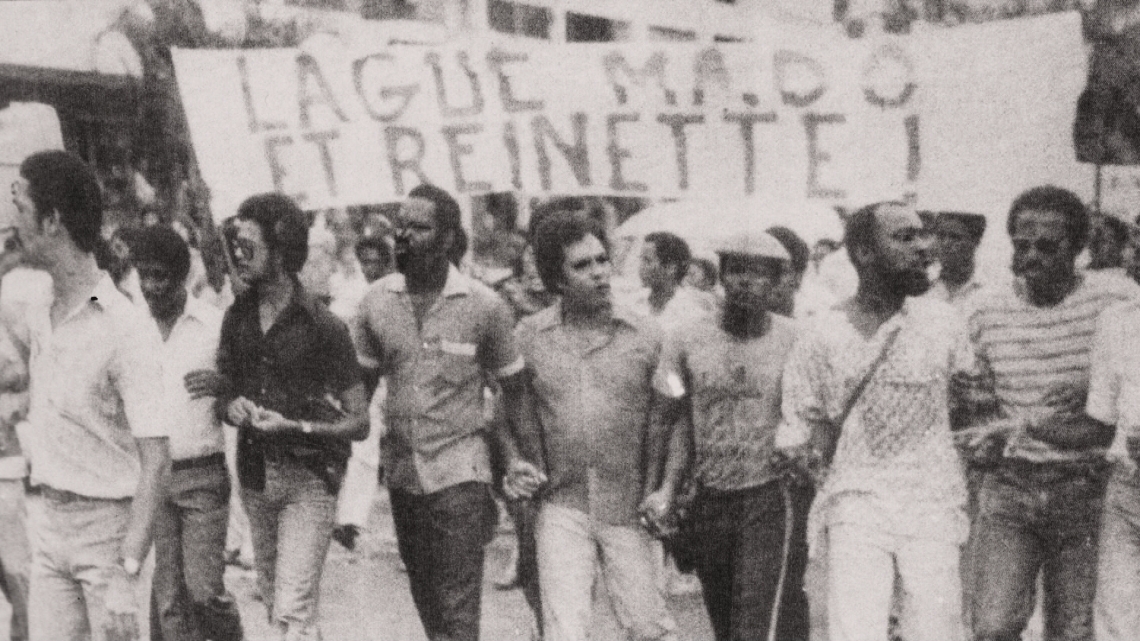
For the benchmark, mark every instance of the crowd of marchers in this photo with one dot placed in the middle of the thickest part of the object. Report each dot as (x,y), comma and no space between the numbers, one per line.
(942,449)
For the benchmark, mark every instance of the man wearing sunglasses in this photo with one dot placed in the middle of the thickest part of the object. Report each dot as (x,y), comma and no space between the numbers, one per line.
(1040,502)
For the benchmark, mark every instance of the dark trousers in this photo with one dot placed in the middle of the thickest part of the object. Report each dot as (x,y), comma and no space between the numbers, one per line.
(525,516)
(188,599)
(441,537)
(738,551)
(1029,522)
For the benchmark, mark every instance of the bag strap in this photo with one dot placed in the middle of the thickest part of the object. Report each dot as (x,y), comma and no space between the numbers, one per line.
(858,391)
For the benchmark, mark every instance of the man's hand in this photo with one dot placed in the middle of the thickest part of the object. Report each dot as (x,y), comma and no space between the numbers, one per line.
(522,480)
(122,607)
(271,421)
(798,465)
(240,411)
(1066,401)
(202,383)
(656,509)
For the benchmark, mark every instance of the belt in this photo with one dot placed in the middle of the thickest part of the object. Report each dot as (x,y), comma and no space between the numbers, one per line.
(64,496)
(209,460)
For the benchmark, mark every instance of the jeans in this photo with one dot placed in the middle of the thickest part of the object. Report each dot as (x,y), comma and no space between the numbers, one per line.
(441,538)
(291,523)
(1034,521)
(570,545)
(75,560)
(15,557)
(739,550)
(189,601)
(863,564)
(1117,604)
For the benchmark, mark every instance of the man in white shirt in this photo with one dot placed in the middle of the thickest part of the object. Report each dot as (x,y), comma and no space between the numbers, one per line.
(189,600)
(97,442)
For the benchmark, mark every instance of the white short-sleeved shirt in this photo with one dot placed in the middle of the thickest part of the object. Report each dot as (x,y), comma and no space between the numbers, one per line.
(192,345)
(1114,377)
(96,384)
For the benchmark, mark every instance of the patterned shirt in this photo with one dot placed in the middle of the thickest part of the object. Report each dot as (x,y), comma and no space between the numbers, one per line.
(895,456)
(593,407)
(96,386)
(436,377)
(1033,351)
(735,388)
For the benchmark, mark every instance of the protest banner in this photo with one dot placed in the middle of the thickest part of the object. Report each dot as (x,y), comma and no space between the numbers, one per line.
(798,113)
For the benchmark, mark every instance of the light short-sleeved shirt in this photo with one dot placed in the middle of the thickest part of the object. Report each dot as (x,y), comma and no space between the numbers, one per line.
(192,345)
(96,384)
(1114,378)
(436,375)
(734,385)
(688,305)
(593,406)
(1033,351)
(895,457)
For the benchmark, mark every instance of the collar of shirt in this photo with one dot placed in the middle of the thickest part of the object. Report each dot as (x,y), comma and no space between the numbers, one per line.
(301,302)
(456,284)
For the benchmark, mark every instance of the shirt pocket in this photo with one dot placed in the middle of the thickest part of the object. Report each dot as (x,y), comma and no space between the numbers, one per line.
(457,362)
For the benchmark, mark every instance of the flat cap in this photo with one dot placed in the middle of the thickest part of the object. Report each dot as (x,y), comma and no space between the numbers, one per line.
(753,243)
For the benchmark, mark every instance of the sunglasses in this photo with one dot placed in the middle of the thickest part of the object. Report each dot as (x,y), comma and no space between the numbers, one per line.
(241,248)
(1044,246)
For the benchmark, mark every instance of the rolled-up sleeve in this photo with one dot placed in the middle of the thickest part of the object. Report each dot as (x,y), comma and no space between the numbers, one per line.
(499,353)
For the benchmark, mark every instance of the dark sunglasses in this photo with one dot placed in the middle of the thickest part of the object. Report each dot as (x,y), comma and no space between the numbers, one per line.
(241,248)
(1044,246)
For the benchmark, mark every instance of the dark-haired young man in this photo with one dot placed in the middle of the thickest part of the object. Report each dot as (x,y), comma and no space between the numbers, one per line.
(956,239)
(599,429)
(867,386)
(97,442)
(293,388)
(1040,504)
(436,335)
(664,264)
(188,600)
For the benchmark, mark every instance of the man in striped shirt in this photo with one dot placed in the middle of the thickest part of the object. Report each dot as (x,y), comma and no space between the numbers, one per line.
(1040,501)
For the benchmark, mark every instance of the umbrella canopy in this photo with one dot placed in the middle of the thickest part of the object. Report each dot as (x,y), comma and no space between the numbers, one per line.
(703,223)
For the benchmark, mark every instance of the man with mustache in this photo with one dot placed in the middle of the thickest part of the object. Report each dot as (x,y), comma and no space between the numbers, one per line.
(437,335)
(729,368)
(598,422)
(1040,504)
(866,393)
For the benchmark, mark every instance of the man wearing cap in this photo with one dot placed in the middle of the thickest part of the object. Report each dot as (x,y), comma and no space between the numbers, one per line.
(729,370)
(866,388)
(956,239)
(599,430)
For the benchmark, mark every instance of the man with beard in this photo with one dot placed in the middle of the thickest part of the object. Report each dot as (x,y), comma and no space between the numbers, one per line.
(599,430)
(866,389)
(188,600)
(729,370)
(1040,501)
(436,334)
(292,387)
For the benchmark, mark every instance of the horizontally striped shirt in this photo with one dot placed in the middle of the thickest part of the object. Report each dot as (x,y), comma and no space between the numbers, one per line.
(1034,351)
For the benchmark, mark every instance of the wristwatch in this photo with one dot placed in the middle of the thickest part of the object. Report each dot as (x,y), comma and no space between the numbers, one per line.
(131,567)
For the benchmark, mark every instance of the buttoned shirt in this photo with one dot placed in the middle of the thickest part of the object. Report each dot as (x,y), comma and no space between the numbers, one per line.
(192,345)
(593,404)
(96,384)
(299,368)
(436,370)
(895,450)
(734,384)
